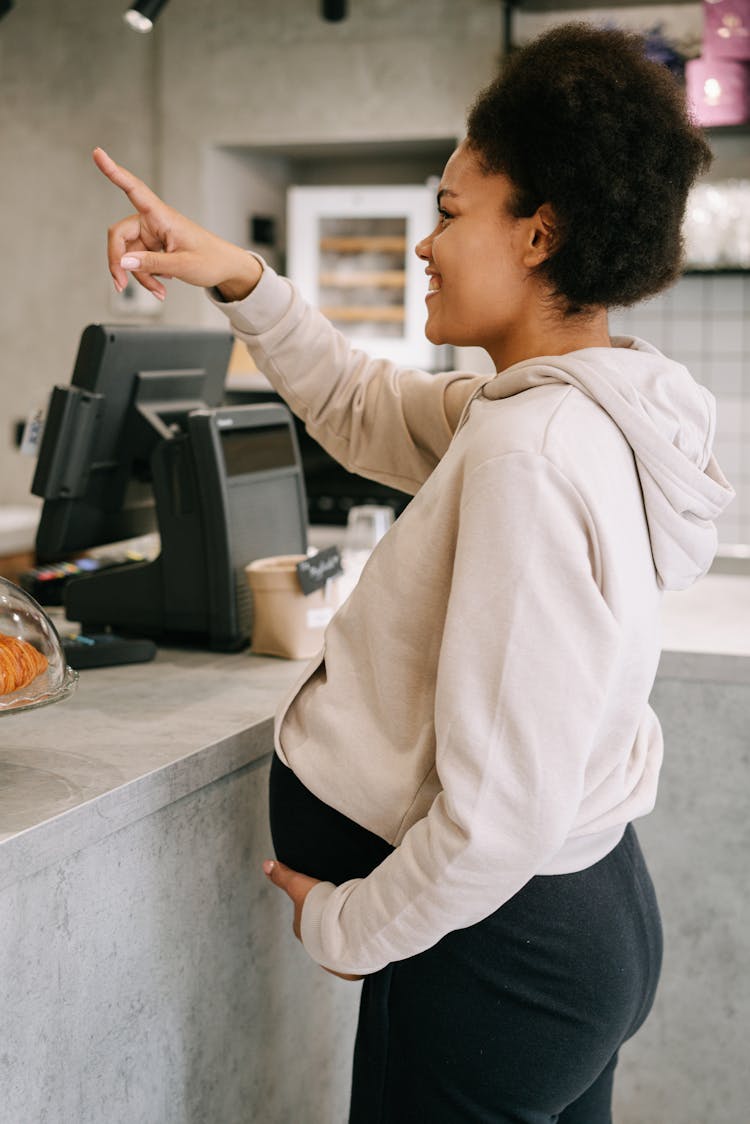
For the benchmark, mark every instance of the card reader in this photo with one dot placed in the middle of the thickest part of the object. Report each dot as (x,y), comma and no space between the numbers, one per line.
(106,649)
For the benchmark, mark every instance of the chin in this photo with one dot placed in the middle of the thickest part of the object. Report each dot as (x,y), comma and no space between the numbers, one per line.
(438,336)
(438,332)
(433,331)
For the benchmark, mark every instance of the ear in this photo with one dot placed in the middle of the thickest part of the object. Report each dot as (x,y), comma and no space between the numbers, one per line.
(541,240)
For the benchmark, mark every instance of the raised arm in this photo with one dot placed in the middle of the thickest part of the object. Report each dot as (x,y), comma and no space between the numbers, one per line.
(388,423)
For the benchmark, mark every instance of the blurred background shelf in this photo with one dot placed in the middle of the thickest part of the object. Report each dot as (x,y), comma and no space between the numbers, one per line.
(387,314)
(384,279)
(350,252)
(363,244)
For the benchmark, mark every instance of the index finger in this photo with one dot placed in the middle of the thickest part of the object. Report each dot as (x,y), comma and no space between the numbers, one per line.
(141,196)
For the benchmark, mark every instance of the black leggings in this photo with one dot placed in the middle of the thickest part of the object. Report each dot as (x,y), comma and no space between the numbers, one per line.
(514,1020)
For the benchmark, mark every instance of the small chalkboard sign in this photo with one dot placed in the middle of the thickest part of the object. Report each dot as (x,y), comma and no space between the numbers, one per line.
(314,572)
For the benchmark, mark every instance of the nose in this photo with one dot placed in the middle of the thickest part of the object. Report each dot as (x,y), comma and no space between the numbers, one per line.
(423,248)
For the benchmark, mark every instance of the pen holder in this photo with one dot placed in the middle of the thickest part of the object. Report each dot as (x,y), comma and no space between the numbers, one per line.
(286,622)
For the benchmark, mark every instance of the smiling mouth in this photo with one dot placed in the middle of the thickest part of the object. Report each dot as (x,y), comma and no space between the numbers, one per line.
(434,287)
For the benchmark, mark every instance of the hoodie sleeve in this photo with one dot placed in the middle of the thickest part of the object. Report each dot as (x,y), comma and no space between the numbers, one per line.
(387,423)
(518,702)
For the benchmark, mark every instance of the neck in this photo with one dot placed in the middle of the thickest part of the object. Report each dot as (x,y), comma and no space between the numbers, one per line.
(544,334)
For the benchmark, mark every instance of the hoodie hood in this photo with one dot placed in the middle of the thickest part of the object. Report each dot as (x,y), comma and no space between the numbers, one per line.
(669,421)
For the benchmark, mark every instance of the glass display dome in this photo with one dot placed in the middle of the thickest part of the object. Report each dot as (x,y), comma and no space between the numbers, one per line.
(33,669)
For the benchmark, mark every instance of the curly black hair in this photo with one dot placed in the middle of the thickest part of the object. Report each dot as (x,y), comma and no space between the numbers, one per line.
(582,120)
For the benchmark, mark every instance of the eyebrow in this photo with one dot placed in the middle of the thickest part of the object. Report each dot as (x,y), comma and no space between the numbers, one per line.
(445,191)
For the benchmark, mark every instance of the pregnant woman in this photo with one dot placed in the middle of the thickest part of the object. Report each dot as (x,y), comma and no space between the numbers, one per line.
(458,771)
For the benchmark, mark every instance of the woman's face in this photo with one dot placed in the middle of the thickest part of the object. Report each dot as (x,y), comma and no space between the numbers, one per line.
(477,258)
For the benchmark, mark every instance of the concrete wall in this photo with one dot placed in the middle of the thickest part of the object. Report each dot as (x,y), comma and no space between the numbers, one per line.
(71,77)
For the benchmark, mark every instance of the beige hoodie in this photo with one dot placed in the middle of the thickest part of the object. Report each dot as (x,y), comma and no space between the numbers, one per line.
(482,699)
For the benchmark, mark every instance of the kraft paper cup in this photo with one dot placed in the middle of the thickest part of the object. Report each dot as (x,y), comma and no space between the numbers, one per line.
(286,623)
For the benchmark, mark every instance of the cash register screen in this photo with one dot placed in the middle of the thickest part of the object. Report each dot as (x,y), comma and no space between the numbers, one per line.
(254,450)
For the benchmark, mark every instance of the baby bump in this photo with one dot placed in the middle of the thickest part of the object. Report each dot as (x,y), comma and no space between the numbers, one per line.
(313,838)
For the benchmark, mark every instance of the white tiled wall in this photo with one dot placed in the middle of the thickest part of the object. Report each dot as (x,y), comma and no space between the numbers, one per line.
(704,322)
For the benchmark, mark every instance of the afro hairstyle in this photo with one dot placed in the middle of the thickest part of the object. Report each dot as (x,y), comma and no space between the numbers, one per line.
(582,120)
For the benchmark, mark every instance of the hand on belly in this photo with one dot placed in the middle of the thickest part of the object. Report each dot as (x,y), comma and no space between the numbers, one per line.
(297,886)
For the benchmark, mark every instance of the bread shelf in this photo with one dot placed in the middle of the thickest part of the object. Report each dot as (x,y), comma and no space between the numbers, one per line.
(384,314)
(351,255)
(381,279)
(363,244)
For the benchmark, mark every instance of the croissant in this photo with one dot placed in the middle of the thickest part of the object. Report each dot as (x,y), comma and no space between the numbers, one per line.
(20,663)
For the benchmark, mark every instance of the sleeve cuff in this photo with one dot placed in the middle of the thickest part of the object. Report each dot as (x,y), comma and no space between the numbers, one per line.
(263,308)
(312,918)
(313,927)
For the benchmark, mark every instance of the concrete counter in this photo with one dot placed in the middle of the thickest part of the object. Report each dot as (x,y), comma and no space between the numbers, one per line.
(128,741)
(687,1065)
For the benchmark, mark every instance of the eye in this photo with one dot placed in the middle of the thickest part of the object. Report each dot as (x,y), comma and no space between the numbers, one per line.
(444,215)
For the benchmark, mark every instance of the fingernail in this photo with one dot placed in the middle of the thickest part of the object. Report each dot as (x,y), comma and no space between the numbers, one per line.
(268,866)
(130,262)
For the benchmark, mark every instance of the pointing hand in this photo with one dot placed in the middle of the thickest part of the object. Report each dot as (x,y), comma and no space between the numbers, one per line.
(157,241)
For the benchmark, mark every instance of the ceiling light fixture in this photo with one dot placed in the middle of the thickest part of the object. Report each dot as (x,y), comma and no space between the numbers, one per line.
(142,15)
(334,10)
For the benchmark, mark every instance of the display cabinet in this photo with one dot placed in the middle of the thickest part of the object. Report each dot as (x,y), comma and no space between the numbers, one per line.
(350,250)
